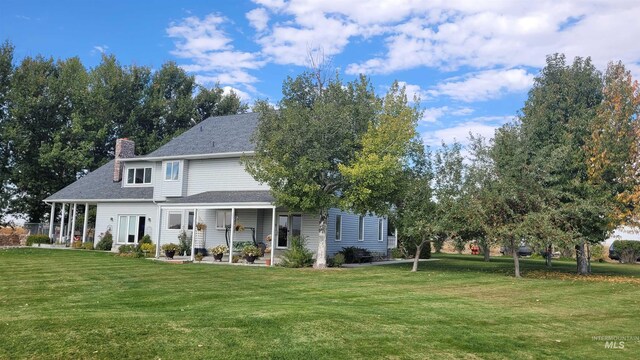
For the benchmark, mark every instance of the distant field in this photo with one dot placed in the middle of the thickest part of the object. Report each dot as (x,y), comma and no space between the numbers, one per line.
(79,304)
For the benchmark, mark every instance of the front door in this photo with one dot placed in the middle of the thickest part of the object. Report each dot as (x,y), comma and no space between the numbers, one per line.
(288,225)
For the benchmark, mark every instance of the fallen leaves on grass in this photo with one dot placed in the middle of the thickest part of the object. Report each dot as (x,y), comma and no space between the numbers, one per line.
(539,274)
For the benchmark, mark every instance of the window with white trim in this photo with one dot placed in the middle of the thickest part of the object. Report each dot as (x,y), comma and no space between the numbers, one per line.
(380,228)
(174,220)
(338,228)
(223,219)
(171,170)
(139,176)
(360,228)
(130,228)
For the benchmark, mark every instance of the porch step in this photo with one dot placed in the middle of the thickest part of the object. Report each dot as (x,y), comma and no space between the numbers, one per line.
(178,261)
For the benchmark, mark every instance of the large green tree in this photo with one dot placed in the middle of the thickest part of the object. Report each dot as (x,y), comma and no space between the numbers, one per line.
(614,147)
(6,73)
(328,144)
(59,120)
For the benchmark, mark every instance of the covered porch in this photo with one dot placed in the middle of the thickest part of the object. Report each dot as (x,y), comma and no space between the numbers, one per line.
(233,219)
(74,222)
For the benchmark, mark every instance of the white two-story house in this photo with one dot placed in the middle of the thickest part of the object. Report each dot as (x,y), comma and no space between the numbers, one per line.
(198,178)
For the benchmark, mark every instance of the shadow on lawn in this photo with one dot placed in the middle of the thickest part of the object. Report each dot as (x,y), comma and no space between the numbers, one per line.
(534,268)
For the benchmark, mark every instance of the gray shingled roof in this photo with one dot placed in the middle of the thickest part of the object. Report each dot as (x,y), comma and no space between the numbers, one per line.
(218,134)
(222,197)
(98,185)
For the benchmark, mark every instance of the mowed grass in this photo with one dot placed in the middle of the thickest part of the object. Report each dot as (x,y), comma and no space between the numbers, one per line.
(79,304)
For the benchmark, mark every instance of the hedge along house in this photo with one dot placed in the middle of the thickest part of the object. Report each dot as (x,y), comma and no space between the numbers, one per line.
(197,184)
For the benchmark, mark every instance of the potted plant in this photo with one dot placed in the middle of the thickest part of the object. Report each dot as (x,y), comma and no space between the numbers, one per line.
(199,256)
(170,250)
(218,252)
(250,253)
(201,226)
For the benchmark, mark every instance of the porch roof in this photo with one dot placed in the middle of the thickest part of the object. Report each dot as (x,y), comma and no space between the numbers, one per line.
(223,197)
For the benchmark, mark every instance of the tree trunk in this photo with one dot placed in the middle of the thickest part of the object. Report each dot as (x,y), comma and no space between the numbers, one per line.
(486,251)
(581,259)
(416,258)
(516,260)
(321,256)
(548,255)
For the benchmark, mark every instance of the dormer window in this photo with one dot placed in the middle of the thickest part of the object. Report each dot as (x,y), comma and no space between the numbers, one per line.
(139,176)
(172,170)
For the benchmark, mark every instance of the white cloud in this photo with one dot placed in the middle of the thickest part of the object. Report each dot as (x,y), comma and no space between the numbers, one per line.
(434,113)
(243,95)
(463,111)
(258,18)
(100,49)
(459,133)
(210,51)
(485,85)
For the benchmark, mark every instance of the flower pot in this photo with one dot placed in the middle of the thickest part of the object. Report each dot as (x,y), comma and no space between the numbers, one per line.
(267,262)
(169,253)
(218,257)
(250,259)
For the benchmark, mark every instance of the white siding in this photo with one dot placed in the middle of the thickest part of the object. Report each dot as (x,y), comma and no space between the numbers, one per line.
(107,218)
(310,231)
(172,188)
(158,176)
(220,175)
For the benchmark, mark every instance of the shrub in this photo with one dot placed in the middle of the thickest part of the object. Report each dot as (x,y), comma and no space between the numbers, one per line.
(597,253)
(199,256)
(184,242)
(628,250)
(147,248)
(353,254)
(87,246)
(38,239)
(106,242)
(76,244)
(338,260)
(397,253)
(145,240)
(297,256)
(235,259)
(126,249)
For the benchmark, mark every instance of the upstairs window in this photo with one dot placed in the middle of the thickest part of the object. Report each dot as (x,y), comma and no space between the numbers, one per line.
(138,176)
(172,170)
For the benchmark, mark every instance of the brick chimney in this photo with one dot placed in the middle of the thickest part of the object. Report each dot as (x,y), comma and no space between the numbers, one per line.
(124,149)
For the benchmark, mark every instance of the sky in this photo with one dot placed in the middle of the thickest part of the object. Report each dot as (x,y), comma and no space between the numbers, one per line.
(470,62)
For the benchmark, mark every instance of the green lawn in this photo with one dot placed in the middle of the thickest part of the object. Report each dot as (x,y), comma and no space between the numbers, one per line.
(79,304)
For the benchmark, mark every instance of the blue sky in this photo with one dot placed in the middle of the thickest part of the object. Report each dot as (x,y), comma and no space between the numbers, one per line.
(471,62)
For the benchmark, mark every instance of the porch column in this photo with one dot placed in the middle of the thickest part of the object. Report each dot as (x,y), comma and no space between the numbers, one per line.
(233,230)
(61,224)
(193,232)
(84,226)
(158,228)
(273,235)
(52,220)
(72,228)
